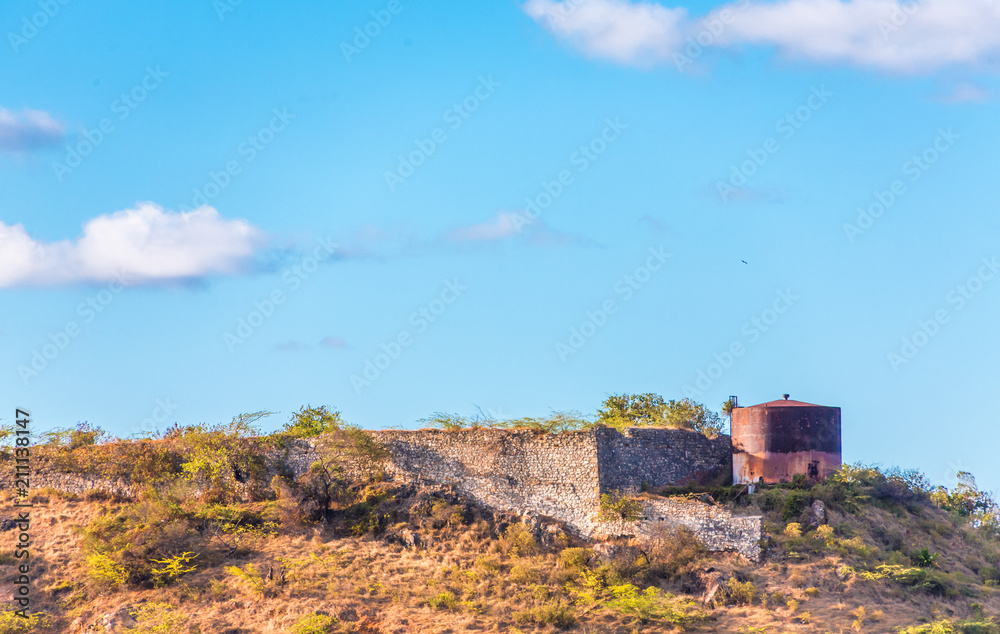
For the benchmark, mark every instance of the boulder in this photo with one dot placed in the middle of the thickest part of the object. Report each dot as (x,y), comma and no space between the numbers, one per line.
(117,620)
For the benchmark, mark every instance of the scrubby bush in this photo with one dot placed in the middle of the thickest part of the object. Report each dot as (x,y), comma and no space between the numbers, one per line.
(219,457)
(157,618)
(555,613)
(11,623)
(173,568)
(523,573)
(740,592)
(448,422)
(347,456)
(555,423)
(105,571)
(924,558)
(575,559)
(315,623)
(443,601)
(795,503)
(617,507)
(518,541)
(673,551)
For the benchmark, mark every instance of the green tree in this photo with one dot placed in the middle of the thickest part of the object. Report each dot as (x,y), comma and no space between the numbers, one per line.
(650,410)
(688,414)
(969,501)
(347,455)
(633,410)
(310,421)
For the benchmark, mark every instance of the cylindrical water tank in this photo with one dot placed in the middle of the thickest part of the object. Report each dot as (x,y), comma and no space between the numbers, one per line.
(776,441)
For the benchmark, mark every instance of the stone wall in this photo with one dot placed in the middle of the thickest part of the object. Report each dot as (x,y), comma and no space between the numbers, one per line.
(44,477)
(509,470)
(714,525)
(659,457)
(563,475)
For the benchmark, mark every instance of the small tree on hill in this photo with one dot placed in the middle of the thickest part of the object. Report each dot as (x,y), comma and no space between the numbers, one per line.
(310,421)
(347,456)
(650,410)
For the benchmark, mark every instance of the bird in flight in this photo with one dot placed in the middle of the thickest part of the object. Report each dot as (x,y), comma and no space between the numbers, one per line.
(744,262)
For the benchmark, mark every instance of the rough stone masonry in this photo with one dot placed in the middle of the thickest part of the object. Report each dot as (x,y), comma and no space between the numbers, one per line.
(563,476)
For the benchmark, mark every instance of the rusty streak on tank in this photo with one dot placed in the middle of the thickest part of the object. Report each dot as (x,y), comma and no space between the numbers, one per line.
(780,439)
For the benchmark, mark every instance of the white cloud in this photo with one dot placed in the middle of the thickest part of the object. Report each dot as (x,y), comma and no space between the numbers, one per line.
(910,36)
(502,226)
(28,130)
(614,29)
(146,244)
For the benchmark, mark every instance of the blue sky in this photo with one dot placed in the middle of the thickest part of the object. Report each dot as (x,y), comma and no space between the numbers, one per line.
(513,207)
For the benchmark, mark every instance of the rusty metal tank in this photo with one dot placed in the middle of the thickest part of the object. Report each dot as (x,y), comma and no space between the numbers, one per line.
(778,440)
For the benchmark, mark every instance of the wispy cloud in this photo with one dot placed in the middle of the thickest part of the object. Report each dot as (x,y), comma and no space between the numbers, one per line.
(145,244)
(335,343)
(888,35)
(747,194)
(506,226)
(965,92)
(28,130)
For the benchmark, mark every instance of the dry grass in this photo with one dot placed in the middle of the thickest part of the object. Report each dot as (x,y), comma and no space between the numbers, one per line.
(463,578)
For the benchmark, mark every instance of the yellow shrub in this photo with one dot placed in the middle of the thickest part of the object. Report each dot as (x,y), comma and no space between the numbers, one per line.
(742,593)
(11,623)
(104,570)
(825,532)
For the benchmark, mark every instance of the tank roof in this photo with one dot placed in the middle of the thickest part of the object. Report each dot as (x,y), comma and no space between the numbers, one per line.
(786,403)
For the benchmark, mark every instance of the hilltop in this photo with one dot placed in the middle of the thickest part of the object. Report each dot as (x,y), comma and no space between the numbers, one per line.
(209,538)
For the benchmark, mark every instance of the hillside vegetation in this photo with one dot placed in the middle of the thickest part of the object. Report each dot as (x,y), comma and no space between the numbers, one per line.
(219,542)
